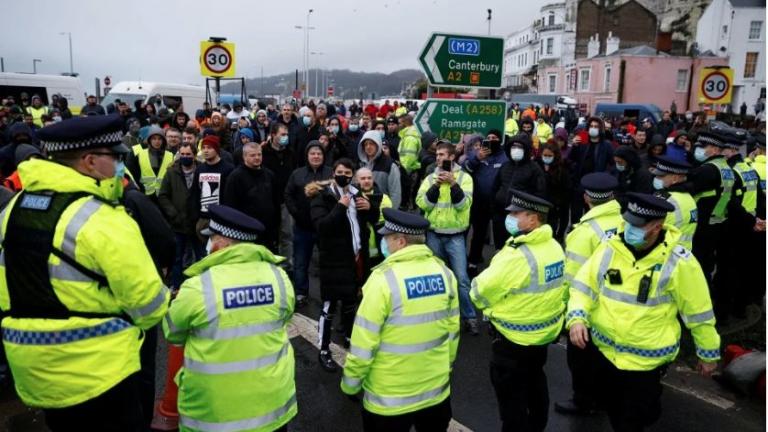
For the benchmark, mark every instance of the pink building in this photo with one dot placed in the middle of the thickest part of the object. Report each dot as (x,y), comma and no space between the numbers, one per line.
(633,75)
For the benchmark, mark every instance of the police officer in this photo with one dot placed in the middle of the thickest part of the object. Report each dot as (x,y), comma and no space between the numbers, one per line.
(623,309)
(406,333)
(522,293)
(232,316)
(711,186)
(743,229)
(78,284)
(601,221)
(755,273)
(670,182)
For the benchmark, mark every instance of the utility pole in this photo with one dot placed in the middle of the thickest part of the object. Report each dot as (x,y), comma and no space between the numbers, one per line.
(71,66)
(305,54)
(34,65)
(490,13)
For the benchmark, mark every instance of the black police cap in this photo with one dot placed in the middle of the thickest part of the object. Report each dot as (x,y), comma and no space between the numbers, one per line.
(84,133)
(232,223)
(521,201)
(664,164)
(599,186)
(643,208)
(400,222)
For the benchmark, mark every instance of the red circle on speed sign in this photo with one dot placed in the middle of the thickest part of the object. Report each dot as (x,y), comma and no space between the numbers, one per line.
(715,86)
(107,81)
(217,59)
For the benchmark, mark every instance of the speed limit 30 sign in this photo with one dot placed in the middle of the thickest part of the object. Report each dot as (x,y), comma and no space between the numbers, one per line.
(217,59)
(715,85)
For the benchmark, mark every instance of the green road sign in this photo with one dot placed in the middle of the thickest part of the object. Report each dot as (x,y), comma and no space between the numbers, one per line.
(451,118)
(463,61)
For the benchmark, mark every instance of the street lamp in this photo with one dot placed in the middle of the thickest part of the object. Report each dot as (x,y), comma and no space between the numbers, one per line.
(71,67)
(490,13)
(305,54)
(34,65)
(317,89)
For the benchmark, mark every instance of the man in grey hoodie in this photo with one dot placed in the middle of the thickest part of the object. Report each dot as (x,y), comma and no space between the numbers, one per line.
(386,174)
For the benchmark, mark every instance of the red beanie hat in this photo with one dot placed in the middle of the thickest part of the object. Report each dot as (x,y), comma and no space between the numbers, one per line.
(212,141)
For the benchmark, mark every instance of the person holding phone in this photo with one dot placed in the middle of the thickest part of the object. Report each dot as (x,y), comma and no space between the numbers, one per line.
(445,197)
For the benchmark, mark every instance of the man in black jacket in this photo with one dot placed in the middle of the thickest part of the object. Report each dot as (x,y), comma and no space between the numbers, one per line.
(279,158)
(288,119)
(210,180)
(520,173)
(251,188)
(297,203)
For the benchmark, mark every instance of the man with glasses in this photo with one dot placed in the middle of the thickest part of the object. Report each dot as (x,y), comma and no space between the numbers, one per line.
(80,285)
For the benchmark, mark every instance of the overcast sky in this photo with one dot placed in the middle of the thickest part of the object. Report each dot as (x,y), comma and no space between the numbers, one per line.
(159,40)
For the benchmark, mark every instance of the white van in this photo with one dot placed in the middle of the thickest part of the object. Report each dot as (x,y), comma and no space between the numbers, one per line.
(173,95)
(45,86)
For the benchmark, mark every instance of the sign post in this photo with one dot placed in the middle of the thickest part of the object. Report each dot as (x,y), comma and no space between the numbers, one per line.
(451,118)
(217,60)
(716,85)
(463,61)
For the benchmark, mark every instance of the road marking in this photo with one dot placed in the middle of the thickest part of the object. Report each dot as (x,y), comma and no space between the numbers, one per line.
(708,397)
(306,327)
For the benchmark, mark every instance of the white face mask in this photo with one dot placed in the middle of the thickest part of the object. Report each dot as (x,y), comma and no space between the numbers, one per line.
(517,154)
(208,247)
(594,132)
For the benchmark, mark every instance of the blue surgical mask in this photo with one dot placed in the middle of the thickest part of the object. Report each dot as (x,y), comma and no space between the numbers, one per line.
(634,236)
(547,159)
(384,247)
(700,154)
(306,120)
(620,168)
(333,129)
(283,140)
(119,169)
(382,133)
(658,183)
(353,128)
(510,223)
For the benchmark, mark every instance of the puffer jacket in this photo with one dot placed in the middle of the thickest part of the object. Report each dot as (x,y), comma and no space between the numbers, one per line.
(524,175)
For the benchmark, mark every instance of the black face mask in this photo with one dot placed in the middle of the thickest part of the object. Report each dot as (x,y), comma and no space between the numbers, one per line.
(187,161)
(495,146)
(342,180)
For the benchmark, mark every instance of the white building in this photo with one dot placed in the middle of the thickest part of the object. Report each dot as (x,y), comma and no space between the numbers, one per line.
(736,28)
(557,37)
(521,54)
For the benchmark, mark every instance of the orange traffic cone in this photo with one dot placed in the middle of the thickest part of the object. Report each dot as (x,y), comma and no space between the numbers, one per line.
(166,417)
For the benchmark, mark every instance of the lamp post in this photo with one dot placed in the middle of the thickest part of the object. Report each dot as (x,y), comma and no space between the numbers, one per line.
(305,53)
(490,13)
(317,72)
(34,65)
(71,67)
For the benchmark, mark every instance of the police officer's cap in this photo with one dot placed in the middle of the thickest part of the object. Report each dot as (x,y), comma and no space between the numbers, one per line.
(84,133)
(599,186)
(664,164)
(643,208)
(706,138)
(231,223)
(400,222)
(760,140)
(521,201)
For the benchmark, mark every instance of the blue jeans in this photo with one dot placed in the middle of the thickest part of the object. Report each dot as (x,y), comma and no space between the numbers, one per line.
(452,248)
(182,241)
(303,244)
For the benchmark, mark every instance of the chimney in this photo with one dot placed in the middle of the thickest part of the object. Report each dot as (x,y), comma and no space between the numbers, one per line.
(611,44)
(593,47)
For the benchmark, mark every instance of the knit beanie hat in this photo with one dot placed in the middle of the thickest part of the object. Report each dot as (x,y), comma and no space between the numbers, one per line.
(212,141)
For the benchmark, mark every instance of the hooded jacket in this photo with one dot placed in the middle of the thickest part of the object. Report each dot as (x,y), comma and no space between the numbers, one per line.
(173,200)
(524,175)
(634,178)
(8,153)
(386,174)
(484,173)
(295,199)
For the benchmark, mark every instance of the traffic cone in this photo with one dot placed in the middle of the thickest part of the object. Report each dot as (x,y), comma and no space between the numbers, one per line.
(166,416)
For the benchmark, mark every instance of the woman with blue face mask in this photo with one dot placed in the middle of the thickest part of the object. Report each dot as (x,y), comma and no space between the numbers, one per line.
(558,186)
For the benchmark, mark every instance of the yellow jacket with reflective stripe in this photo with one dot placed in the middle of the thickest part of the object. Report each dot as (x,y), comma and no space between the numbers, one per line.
(444,216)
(409,148)
(544,132)
(759,165)
(149,179)
(373,247)
(510,127)
(37,114)
(82,358)
(642,336)
(522,290)
(232,316)
(727,178)
(684,217)
(406,334)
(750,180)
(597,225)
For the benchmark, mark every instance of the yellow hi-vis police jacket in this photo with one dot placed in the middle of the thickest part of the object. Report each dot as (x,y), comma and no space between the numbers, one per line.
(685,216)
(149,179)
(58,363)
(232,317)
(406,334)
(597,225)
(522,291)
(444,216)
(636,335)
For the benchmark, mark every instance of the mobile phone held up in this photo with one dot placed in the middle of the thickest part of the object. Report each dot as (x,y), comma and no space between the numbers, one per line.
(446,166)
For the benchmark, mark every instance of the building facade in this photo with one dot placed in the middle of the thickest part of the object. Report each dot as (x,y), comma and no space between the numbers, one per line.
(521,55)
(735,30)
(630,21)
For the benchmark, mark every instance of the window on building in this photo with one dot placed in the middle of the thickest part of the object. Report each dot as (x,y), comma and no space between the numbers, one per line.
(750,65)
(682,80)
(607,82)
(755,29)
(551,18)
(550,45)
(541,49)
(552,85)
(584,80)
